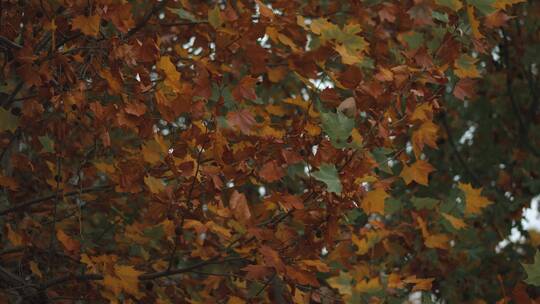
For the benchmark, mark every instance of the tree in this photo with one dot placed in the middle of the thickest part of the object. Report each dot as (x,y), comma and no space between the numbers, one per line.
(268,151)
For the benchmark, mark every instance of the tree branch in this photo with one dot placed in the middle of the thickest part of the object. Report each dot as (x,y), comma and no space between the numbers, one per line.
(32,202)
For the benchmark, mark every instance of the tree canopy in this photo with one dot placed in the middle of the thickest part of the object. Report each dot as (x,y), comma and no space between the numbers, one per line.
(284,151)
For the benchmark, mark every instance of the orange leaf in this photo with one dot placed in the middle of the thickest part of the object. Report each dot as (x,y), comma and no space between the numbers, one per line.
(374,201)
(87,25)
(456,222)
(426,134)
(15,238)
(418,172)
(69,243)
(437,241)
(474,201)
(239,206)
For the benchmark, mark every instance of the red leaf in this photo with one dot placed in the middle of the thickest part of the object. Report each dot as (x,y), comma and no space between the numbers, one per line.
(465,88)
(242,120)
(271,172)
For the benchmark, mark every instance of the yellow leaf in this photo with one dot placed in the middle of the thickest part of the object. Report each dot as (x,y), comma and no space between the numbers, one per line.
(173,76)
(426,134)
(418,172)
(87,25)
(368,285)
(224,232)
(456,5)
(420,284)
(502,4)
(35,269)
(129,279)
(356,137)
(297,101)
(456,222)
(362,244)
(423,112)
(474,201)
(104,167)
(347,57)
(152,152)
(342,283)
(374,201)
(13,236)
(437,241)
(312,129)
(474,23)
(465,67)
(154,184)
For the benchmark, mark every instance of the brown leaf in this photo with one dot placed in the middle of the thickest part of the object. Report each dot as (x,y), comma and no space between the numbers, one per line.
(271,172)
(88,25)
(239,206)
(242,120)
(465,89)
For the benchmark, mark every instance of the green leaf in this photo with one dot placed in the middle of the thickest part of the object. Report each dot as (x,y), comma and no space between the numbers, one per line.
(183,14)
(391,206)
(533,270)
(47,143)
(328,174)
(414,40)
(424,202)
(214,17)
(338,127)
(8,121)
(485,6)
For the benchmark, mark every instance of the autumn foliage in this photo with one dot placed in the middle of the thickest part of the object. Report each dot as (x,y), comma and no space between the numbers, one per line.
(240,151)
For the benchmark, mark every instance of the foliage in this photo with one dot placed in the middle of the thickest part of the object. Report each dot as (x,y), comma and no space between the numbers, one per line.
(268,151)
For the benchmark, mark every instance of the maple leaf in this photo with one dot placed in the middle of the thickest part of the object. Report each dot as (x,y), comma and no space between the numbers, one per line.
(245,89)
(155,185)
(373,201)
(465,89)
(173,76)
(338,127)
(456,222)
(465,67)
(456,5)
(214,17)
(271,172)
(272,258)
(256,272)
(88,25)
(239,206)
(533,270)
(440,241)
(419,172)
(8,121)
(328,174)
(69,243)
(426,134)
(474,201)
(242,120)
(342,283)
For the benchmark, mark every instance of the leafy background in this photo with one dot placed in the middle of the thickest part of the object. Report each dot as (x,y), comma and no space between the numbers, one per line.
(269,151)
